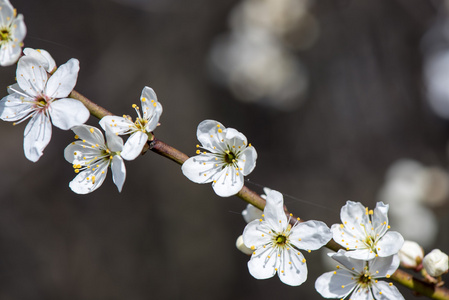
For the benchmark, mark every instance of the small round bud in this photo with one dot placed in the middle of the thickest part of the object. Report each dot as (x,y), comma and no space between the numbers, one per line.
(435,263)
(241,246)
(411,255)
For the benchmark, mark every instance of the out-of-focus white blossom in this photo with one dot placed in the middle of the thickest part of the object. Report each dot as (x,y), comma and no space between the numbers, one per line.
(411,255)
(257,69)
(435,263)
(409,188)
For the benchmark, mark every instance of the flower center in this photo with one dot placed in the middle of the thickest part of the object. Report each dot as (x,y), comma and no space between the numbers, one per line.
(365,280)
(5,35)
(140,124)
(229,157)
(281,240)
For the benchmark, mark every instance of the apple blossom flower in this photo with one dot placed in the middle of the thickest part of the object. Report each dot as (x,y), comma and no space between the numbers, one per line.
(363,233)
(411,255)
(44,101)
(359,277)
(435,263)
(12,33)
(226,159)
(141,129)
(276,243)
(91,156)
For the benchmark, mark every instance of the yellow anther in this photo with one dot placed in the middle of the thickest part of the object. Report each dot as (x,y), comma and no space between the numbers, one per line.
(91,130)
(220,131)
(76,137)
(252,247)
(198,151)
(154,104)
(143,99)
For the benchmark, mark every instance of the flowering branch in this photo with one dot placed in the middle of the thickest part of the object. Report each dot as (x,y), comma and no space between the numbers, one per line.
(255,199)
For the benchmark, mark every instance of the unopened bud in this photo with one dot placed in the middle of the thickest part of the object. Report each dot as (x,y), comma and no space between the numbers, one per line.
(435,263)
(411,255)
(241,246)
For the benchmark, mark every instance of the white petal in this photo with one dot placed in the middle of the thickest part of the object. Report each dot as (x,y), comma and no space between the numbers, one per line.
(310,235)
(117,124)
(151,109)
(134,145)
(31,76)
(89,180)
(361,254)
(390,244)
(292,268)
(274,211)
(228,182)
(255,235)
(263,263)
(62,82)
(336,284)
(10,53)
(247,160)
(200,168)
(352,215)
(388,291)
(235,138)
(12,108)
(37,135)
(90,134)
(380,218)
(251,213)
(118,172)
(349,263)
(6,12)
(383,266)
(67,113)
(18,29)
(361,293)
(207,133)
(115,143)
(42,56)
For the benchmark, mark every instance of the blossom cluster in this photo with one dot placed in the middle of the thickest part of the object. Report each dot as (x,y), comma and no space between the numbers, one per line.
(274,239)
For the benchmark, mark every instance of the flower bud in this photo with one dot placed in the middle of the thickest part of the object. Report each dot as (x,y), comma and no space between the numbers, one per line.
(435,263)
(241,246)
(411,255)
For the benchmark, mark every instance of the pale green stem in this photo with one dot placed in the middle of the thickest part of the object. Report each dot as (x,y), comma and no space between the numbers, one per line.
(159,147)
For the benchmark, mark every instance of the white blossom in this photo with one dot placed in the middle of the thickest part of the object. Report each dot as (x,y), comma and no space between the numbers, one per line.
(276,243)
(91,156)
(140,130)
(12,33)
(359,277)
(225,160)
(363,233)
(411,255)
(44,101)
(435,263)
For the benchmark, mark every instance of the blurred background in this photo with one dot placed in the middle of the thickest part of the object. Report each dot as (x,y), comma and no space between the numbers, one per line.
(343,100)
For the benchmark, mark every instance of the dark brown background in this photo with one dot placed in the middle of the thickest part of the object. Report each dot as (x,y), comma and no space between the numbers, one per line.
(164,237)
